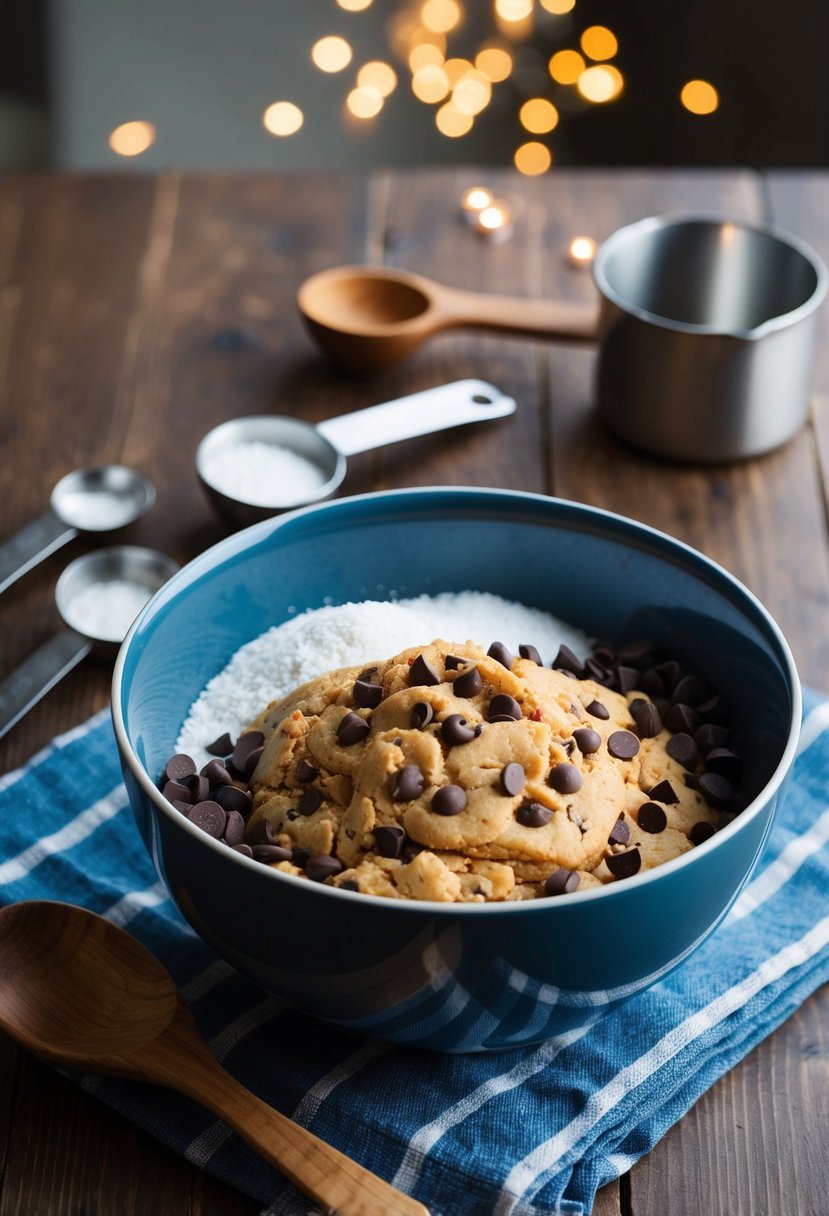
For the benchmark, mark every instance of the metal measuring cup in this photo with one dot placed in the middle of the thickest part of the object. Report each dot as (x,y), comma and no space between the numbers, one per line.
(43,669)
(327,445)
(98,499)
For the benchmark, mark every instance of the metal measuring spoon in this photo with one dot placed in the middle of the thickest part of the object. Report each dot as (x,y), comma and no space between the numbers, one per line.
(43,669)
(326,446)
(97,499)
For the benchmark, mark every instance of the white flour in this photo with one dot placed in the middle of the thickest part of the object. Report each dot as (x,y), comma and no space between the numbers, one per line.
(105,610)
(323,639)
(264,474)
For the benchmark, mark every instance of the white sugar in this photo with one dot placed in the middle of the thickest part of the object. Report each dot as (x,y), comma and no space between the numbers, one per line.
(105,610)
(96,510)
(323,639)
(263,474)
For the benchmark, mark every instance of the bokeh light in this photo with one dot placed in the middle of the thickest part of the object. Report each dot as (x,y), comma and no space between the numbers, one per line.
(582,250)
(354,6)
(532,158)
(430,84)
(441,16)
(283,118)
(566,67)
(558,7)
(514,10)
(364,103)
(495,62)
(699,97)
(598,42)
(600,83)
(425,55)
(455,69)
(452,122)
(538,115)
(132,138)
(379,76)
(472,93)
(331,54)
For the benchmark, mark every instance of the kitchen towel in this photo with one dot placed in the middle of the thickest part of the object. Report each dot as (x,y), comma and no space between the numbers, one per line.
(532,1132)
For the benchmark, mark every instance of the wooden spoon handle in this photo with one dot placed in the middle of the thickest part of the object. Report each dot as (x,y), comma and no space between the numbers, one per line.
(571,322)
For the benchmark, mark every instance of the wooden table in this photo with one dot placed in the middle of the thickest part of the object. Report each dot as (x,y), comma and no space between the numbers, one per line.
(137,312)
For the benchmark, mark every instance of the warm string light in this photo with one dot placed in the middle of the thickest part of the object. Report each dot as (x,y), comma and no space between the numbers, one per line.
(473,202)
(132,138)
(331,54)
(699,97)
(283,118)
(581,251)
(494,221)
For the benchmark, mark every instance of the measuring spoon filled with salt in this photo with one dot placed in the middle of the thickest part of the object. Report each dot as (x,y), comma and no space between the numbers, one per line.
(253,468)
(97,499)
(98,597)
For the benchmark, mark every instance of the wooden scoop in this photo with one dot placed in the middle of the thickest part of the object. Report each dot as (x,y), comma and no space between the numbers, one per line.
(83,993)
(368,318)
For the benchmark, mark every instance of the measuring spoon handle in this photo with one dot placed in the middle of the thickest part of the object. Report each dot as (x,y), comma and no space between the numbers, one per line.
(564,319)
(37,674)
(435,409)
(31,544)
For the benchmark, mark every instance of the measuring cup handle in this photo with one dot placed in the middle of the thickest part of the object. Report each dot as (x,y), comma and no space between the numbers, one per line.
(31,544)
(436,409)
(37,674)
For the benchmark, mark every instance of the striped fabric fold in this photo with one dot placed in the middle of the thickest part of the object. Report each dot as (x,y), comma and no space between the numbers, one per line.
(526,1133)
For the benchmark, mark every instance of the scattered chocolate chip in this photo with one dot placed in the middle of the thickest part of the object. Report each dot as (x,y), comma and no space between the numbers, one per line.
(597,710)
(184,807)
(245,744)
(627,677)
(421,673)
(682,719)
(388,840)
(624,865)
(468,683)
(366,694)
(299,856)
(252,760)
(321,866)
(407,783)
(716,790)
(606,654)
(651,818)
(216,773)
(234,828)
(599,673)
(176,791)
(565,660)
(179,766)
(398,741)
(683,749)
(270,853)
(651,683)
(500,654)
(210,817)
(422,714)
(503,705)
(512,779)
(691,782)
(449,800)
(306,772)
(310,801)
(222,746)
(587,741)
(352,729)
(725,762)
(648,722)
(231,798)
(670,673)
(242,848)
(367,673)
(564,778)
(533,815)
(701,832)
(529,652)
(709,735)
(348,884)
(636,654)
(454,731)
(199,786)
(620,833)
(690,690)
(561,882)
(664,792)
(725,818)
(623,745)
(453,661)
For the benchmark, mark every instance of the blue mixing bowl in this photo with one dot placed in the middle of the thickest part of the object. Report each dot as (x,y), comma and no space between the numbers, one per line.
(457,977)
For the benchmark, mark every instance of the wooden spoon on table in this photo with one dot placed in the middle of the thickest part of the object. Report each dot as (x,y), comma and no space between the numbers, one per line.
(82,992)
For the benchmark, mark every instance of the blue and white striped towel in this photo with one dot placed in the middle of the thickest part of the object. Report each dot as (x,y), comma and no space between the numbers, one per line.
(528,1133)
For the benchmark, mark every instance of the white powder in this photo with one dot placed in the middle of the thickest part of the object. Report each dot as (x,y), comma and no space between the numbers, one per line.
(96,510)
(105,610)
(263,474)
(323,639)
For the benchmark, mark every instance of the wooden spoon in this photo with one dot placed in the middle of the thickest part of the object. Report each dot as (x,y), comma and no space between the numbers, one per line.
(83,993)
(368,318)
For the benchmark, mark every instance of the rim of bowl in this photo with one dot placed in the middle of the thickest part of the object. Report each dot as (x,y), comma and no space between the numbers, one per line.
(241,540)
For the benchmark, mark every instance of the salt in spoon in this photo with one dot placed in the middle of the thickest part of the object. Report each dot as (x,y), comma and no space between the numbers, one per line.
(81,992)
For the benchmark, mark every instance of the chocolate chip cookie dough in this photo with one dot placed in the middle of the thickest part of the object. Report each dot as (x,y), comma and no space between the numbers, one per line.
(451,774)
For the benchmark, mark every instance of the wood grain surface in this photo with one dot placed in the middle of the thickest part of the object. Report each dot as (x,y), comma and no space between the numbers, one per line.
(137,312)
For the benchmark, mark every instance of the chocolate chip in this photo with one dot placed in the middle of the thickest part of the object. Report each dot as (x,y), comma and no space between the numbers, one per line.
(176,791)
(234,828)
(408,783)
(636,654)
(623,745)
(306,772)
(624,865)
(421,673)
(529,652)
(449,800)
(701,832)
(252,760)
(683,749)
(245,744)
(620,833)
(648,722)
(670,673)
(564,778)
(183,807)
(709,736)
(605,653)
(347,885)
(366,694)
(599,673)
(454,731)
(216,773)
(310,801)
(651,683)
(422,714)
(179,766)
(725,762)
(682,719)
(691,781)
(533,815)
(651,818)
(210,817)
(352,729)
(500,654)
(664,792)
(561,882)
(270,853)
(388,840)
(503,705)
(231,798)
(565,660)
(222,746)
(242,848)
(199,786)
(512,779)
(453,661)
(468,683)
(321,866)
(261,833)
(299,856)
(690,690)
(627,678)
(715,789)
(587,741)
(597,710)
